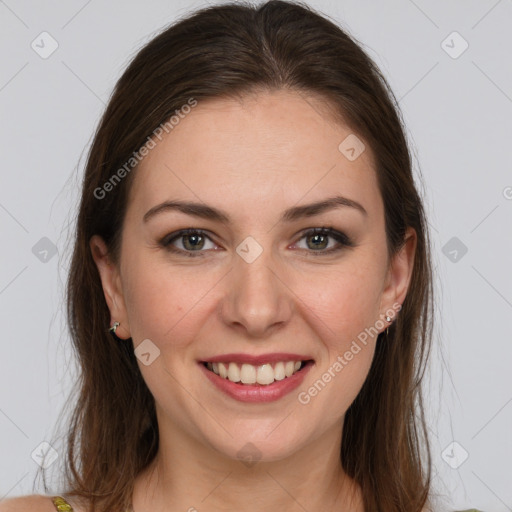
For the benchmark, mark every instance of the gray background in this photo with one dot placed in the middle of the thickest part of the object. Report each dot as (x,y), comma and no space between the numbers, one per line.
(457,107)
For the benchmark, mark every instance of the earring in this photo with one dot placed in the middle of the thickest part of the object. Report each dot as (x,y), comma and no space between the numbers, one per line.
(112,331)
(114,327)
(388,319)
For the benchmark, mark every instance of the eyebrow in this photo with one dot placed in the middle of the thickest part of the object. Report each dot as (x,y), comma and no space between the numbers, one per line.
(292,214)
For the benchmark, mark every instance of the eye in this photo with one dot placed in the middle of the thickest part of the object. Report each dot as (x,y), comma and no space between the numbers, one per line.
(190,240)
(317,240)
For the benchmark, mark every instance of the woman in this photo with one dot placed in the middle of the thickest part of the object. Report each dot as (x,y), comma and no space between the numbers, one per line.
(250,293)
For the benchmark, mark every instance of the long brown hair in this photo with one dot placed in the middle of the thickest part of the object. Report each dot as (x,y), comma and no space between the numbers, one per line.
(226,51)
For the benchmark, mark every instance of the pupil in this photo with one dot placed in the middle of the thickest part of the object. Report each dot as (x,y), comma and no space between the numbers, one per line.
(195,237)
(317,237)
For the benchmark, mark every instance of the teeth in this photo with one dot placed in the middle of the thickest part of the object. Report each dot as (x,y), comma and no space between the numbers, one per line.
(279,373)
(233,372)
(249,374)
(265,374)
(223,371)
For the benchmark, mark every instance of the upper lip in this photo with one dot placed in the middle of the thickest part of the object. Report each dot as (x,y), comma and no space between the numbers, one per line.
(256,360)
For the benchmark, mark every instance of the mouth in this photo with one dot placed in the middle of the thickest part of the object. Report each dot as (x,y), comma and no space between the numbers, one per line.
(266,374)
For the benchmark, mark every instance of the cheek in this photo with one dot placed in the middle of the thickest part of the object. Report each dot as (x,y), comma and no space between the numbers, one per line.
(164,303)
(343,310)
(151,307)
(345,300)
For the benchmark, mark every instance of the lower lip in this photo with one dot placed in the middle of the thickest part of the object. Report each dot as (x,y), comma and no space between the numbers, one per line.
(257,393)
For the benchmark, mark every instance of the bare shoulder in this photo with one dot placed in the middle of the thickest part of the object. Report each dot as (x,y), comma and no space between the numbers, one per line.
(30,503)
(36,503)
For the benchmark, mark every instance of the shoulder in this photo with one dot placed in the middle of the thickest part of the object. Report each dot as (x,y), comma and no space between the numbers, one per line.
(36,503)
(31,503)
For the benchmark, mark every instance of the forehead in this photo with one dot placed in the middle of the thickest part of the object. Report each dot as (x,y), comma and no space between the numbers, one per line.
(251,151)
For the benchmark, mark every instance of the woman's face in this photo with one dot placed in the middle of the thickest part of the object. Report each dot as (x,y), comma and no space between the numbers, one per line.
(255,285)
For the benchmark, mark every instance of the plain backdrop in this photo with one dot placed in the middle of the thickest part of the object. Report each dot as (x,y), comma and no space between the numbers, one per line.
(449,65)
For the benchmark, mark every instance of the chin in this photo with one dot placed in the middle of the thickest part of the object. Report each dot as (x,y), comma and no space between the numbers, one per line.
(251,443)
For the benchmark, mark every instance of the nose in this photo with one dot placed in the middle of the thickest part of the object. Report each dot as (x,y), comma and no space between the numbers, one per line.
(257,299)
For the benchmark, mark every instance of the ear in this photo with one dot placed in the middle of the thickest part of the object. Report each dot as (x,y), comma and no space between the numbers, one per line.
(112,287)
(399,273)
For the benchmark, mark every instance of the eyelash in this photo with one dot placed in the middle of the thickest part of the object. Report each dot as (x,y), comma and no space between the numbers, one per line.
(341,238)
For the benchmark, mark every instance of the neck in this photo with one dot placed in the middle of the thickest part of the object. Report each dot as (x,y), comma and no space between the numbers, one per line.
(186,475)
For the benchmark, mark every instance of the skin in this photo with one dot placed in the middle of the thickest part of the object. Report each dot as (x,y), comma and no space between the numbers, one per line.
(252,158)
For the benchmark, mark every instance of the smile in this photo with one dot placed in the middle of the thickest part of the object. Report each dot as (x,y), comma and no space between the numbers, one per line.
(263,375)
(264,378)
